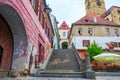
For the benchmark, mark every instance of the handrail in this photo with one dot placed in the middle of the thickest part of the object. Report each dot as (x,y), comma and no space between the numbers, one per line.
(80,61)
(77,55)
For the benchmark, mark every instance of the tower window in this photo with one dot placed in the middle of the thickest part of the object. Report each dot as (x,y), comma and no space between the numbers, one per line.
(88,6)
(80,31)
(98,3)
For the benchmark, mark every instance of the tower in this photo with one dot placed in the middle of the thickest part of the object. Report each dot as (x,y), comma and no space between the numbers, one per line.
(96,7)
(63,35)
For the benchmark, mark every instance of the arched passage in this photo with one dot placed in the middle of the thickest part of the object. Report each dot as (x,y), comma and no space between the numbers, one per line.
(64,45)
(13,38)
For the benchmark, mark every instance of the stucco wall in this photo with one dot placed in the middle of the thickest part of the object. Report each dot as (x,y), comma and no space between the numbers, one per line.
(98,30)
(100,40)
(25,27)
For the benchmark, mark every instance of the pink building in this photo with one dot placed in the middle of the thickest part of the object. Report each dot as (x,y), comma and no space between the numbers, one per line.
(25,34)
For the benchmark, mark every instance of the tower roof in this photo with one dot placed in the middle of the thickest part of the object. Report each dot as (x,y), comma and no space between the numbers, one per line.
(64,26)
(93,19)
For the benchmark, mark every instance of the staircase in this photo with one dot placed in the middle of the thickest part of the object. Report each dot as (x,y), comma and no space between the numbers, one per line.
(63,63)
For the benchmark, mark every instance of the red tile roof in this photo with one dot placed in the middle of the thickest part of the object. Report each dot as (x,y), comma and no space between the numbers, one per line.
(64,26)
(93,19)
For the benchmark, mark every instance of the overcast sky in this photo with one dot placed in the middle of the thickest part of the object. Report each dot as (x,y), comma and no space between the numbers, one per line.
(72,10)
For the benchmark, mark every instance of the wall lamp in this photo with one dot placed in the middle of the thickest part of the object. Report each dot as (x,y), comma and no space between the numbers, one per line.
(47,9)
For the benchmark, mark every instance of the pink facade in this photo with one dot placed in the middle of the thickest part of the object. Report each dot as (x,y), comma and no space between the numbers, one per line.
(28,34)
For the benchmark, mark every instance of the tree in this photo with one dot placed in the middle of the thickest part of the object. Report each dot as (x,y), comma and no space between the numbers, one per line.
(93,50)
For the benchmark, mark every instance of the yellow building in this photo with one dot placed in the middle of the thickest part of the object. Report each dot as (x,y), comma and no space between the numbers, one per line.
(93,28)
(112,14)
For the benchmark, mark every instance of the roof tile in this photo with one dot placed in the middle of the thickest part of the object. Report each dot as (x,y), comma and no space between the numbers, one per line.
(93,19)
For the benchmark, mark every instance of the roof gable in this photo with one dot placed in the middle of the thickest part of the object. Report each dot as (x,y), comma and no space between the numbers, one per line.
(64,26)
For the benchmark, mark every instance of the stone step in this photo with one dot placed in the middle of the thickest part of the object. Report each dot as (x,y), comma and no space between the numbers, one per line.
(61,74)
(63,59)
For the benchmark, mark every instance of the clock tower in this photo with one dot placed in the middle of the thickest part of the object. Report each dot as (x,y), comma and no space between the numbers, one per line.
(96,7)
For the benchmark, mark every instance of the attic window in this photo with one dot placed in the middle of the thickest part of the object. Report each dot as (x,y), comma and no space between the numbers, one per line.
(107,19)
(86,20)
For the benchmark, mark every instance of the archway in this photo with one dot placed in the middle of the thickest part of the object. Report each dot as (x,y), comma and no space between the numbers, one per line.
(12,36)
(64,45)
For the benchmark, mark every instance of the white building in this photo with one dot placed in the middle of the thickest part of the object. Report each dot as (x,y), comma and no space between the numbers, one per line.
(63,35)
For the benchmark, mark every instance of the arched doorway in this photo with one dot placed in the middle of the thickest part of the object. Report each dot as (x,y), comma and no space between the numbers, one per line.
(13,38)
(6,44)
(64,45)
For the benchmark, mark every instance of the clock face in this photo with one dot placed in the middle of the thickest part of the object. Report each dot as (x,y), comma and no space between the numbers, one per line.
(98,3)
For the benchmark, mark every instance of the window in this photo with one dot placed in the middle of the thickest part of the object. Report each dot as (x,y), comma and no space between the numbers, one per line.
(47,31)
(119,44)
(34,4)
(107,19)
(80,31)
(116,32)
(118,11)
(114,44)
(42,20)
(107,31)
(86,43)
(98,3)
(90,31)
(41,53)
(64,34)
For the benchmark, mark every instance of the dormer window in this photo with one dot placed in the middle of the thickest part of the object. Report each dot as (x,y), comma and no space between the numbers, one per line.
(107,19)
(86,20)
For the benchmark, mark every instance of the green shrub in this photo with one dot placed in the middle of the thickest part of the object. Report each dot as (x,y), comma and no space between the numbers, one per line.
(93,50)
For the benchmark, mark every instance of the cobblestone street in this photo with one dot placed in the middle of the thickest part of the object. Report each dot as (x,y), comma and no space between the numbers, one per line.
(47,78)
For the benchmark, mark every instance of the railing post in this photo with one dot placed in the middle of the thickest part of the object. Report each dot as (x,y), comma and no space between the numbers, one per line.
(89,73)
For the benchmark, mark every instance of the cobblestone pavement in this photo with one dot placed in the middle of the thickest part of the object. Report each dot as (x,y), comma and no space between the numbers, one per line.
(108,78)
(43,78)
(48,78)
